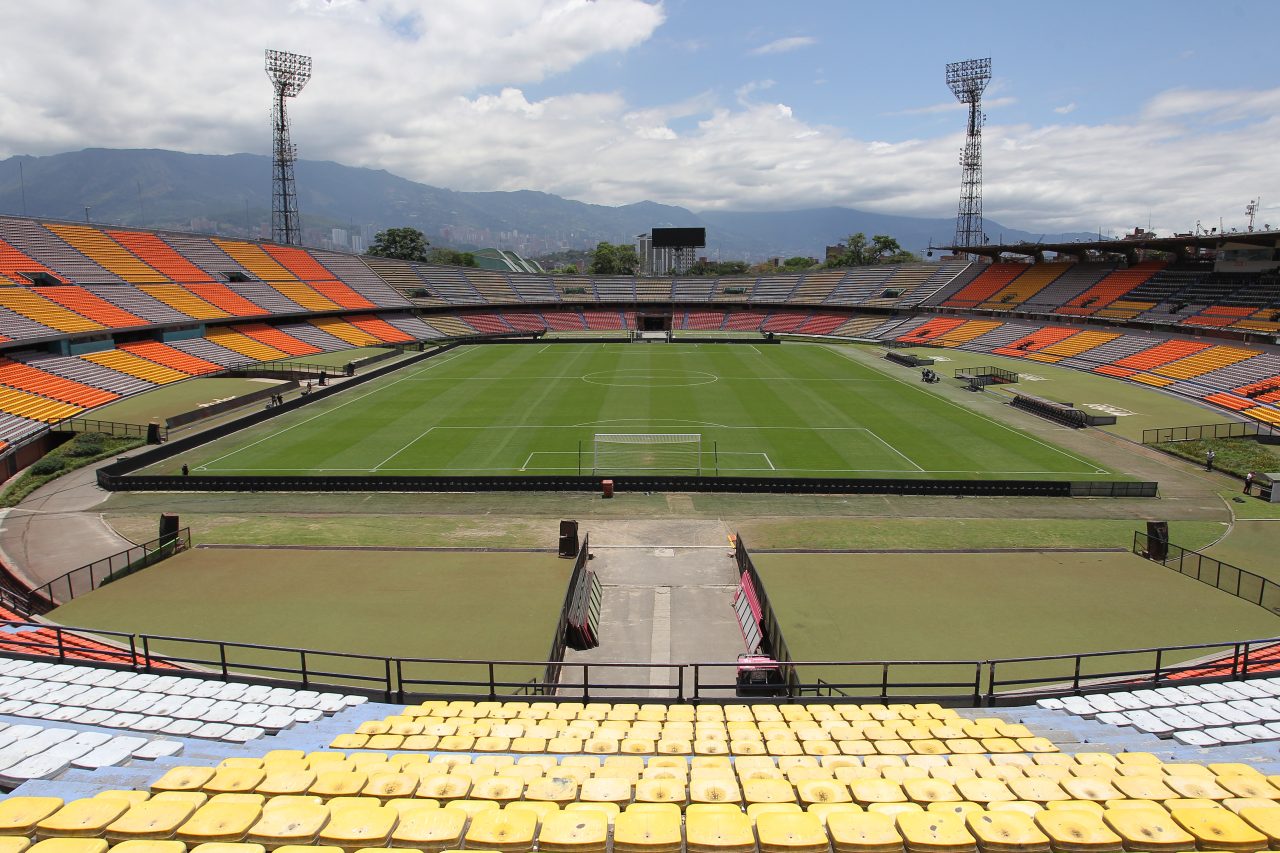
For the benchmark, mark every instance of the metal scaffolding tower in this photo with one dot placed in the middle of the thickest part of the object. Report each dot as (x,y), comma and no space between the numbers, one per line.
(289,72)
(967,80)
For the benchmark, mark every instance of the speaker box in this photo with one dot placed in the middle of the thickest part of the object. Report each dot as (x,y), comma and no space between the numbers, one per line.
(1158,540)
(568,539)
(168,528)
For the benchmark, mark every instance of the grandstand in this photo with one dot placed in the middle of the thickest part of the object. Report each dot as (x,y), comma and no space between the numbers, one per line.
(121,734)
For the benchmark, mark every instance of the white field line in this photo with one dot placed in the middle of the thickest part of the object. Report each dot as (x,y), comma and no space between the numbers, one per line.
(402,449)
(1006,427)
(443,471)
(912,462)
(433,364)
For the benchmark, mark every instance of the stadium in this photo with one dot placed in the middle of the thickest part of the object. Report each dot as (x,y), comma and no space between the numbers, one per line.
(317,549)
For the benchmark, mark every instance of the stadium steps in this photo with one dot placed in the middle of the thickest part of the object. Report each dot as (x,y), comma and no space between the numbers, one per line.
(47,313)
(310,334)
(135,302)
(160,256)
(303,294)
(1025,286)
(533,288)
(448,283)
(949,279)
(693,289)
(15,265)
(859,284)
(15,326)
(107,253)
(1075,281)
(493,286)
(993,279)
(254,258)
(170,357)
(98,309)
(221,296)
(202,252)
(79,370)
(24,377)
(411,326)
(363,280)
(37,241)
(380,329)
(271,336)
(182,300)
(398,275)
(209,351)
(268,297)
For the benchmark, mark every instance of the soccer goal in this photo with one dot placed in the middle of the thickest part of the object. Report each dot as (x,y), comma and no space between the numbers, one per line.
(616,453)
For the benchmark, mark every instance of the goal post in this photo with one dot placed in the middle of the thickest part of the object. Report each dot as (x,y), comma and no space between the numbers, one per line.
(617,453)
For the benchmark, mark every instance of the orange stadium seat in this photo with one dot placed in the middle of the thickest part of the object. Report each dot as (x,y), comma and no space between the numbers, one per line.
(94,307)
(160,256)
(274,337)
(382,329)
(14,262)
(170,357)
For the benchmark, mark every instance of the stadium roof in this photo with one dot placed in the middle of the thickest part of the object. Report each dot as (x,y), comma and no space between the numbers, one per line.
(1181,244)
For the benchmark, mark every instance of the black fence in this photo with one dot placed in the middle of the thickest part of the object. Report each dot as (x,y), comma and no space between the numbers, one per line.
(1050,409)
(86,579)
(112,428)
(907,360)
(1241,583)
(986,375)
(1252,429)
(556,656)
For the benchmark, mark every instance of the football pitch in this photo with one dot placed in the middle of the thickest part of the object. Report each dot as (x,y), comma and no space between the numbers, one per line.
(792,410)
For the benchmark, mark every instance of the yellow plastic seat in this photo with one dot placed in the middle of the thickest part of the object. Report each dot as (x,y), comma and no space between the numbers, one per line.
(1094,808)
(87,818)
(338,784)
(929,791)
(960,809)
(768,791)
(233,780)
(714,790)
(1252,785)
(389,786)
(1150,829)
(429,830)
(660,791)
(298,823)
(1089,789)
(19,843)
(183,779)
(70,845)
(867,791)
(443,788)
(574,832)
(814,791)
(153,819)
(1266,820)
(1220,829)
(1025,807)
(500,789)
(278,783)
(219,822)
(1238,804)
(1036,790)
(780,832)
(610,790)
(352,829)
(1006,832)
(646,832)
(1143,788)
(935,831)
(1077,831)
(502,830)
(1037,744)
(471,808)
(131,797)
(609,810)
(1197,787)
(196,797)
(149,846)
(718,832)
(552,789)
(863,832)
(19,815)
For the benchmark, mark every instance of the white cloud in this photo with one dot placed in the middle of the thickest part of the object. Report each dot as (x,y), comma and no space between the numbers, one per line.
(954,106)
(442,93)
(1065,109)
(784,45)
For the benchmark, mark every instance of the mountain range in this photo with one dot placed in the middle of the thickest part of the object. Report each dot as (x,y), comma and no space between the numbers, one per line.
(231,195)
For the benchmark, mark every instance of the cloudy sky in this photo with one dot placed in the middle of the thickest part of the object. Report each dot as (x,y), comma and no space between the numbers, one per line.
(1100,115)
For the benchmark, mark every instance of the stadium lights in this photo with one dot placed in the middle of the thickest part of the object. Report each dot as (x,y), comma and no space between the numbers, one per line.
(967,81)
(289,73)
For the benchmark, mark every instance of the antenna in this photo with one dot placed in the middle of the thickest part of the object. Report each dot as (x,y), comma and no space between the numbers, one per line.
(1251,210)
(289,72)
(967,80)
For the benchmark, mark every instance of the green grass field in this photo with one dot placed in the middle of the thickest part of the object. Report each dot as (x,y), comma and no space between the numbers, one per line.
(957,606)
(463,606)
(793,410)
(169,400)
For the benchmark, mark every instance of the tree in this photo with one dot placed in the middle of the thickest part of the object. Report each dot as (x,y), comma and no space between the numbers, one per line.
(452,257)
(718,268)
(881,249)
(406,244)
(798,264)
(609,259)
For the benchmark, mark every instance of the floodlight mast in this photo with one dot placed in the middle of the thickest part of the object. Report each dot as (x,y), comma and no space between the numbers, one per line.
(289,72)
(967,80)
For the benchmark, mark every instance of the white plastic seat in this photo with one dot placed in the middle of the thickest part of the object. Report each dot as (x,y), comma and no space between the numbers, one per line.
(1195,737)
(157,749)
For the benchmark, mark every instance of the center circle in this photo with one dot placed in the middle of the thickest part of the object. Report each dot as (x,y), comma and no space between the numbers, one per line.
(650,378)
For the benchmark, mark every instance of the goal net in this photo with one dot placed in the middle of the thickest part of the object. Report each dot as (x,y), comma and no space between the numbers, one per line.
(617,453)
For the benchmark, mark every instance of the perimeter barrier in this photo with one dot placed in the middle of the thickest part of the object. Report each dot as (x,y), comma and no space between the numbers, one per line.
(1199,432)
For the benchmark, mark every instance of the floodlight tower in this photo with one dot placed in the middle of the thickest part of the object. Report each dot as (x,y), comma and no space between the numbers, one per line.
(967,80)
(289,72)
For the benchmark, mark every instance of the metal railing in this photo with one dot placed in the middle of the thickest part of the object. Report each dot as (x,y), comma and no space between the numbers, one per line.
(1242,583)
(115,428)
(1233,429)
(87,578)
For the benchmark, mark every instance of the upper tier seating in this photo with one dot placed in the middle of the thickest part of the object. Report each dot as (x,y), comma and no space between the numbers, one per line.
(87,304)
(357,275)
(16,266)
(85,372)
(136,366)
(207,350)
(107,253)
(160,256)
(267,296)
(170,357)
(25,377)
(1110,288)
(202,252)
(32,305)
(272,336)
(139,304)
(1022,288)
(39,242)
(989,282)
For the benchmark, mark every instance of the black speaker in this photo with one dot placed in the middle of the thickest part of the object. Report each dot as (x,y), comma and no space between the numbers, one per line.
(168,528)
(153,432)
(1158,540)
(568,539)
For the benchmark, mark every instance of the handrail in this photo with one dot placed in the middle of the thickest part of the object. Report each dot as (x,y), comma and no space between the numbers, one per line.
(1230,429)
(1209,570)
(44,598)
